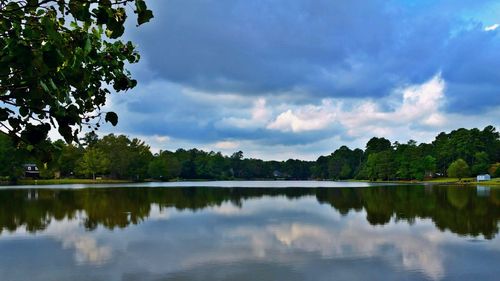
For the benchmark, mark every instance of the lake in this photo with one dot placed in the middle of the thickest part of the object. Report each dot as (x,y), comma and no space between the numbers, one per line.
(249,231)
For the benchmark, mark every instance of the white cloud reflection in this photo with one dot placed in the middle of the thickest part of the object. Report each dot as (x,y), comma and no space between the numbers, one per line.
(85,244)
(413,252)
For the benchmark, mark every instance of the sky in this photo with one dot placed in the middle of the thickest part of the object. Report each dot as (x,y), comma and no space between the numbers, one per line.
(297,79)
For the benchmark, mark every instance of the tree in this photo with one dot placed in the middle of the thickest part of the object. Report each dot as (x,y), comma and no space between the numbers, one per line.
(90,139)
(429,165)
(9,158)
(481,163)
(57,59)
(494,170)
(385,166)
(377,145)
(345,172)
(130,158)
(235,162)
(458,169)
(93,161)
(320,168)
(157,168)
(68,159)
(164,166)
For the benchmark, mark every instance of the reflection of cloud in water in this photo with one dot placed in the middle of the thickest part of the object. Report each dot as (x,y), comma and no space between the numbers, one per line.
(229,209)
(402,244)
(85,245)
(282,244)
(70,233)
(86,249)
(159,213)
(358,240)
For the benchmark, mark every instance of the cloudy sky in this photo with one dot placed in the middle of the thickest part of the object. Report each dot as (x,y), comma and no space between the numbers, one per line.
(296,79)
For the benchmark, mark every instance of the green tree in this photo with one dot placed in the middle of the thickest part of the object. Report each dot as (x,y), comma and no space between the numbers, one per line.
(94,161)
(408,160)
(320,168)
(380,165)
(377,145)
(458,169)
(68,159)
(90,139)
(57,59)
(429,165)
(481,163)
(164,166)
(157,168)
(10,162)
(345,172)
(129,158)
(494,170)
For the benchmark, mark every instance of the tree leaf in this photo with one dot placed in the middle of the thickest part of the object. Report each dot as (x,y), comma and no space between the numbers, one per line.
(44,87)
(112,118)
(88,46)
(143,14)
(4,114)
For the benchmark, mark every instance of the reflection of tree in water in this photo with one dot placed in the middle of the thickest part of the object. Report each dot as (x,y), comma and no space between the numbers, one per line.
(458,209)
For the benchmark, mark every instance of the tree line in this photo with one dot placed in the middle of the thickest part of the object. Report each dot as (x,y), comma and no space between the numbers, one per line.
(459,153)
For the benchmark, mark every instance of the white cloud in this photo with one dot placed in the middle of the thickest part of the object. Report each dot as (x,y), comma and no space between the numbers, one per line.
(417,105)
(492,27)
(307,118)
(161,139)
(259,115)
(225,145)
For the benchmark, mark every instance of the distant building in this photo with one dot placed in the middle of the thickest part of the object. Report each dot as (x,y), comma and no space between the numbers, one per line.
(31,171)
(484,177)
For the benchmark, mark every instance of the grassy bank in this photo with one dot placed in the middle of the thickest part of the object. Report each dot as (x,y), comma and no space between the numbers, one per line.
(463,181)
(495,182)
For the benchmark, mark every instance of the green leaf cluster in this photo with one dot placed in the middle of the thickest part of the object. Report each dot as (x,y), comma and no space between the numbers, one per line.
(58,60)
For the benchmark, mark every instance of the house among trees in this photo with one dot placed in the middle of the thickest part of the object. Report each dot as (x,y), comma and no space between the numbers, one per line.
(484,177)
(31,171)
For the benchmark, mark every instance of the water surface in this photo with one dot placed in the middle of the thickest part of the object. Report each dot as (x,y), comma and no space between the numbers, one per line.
(250,233)
(265,184)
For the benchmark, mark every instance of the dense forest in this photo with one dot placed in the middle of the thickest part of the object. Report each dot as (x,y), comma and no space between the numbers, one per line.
(460,153)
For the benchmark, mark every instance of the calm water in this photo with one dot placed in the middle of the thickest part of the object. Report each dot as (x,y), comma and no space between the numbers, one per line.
(258,232)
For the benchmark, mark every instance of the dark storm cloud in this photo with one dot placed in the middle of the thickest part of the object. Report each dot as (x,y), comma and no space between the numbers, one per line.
(205,64)
(324,48)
